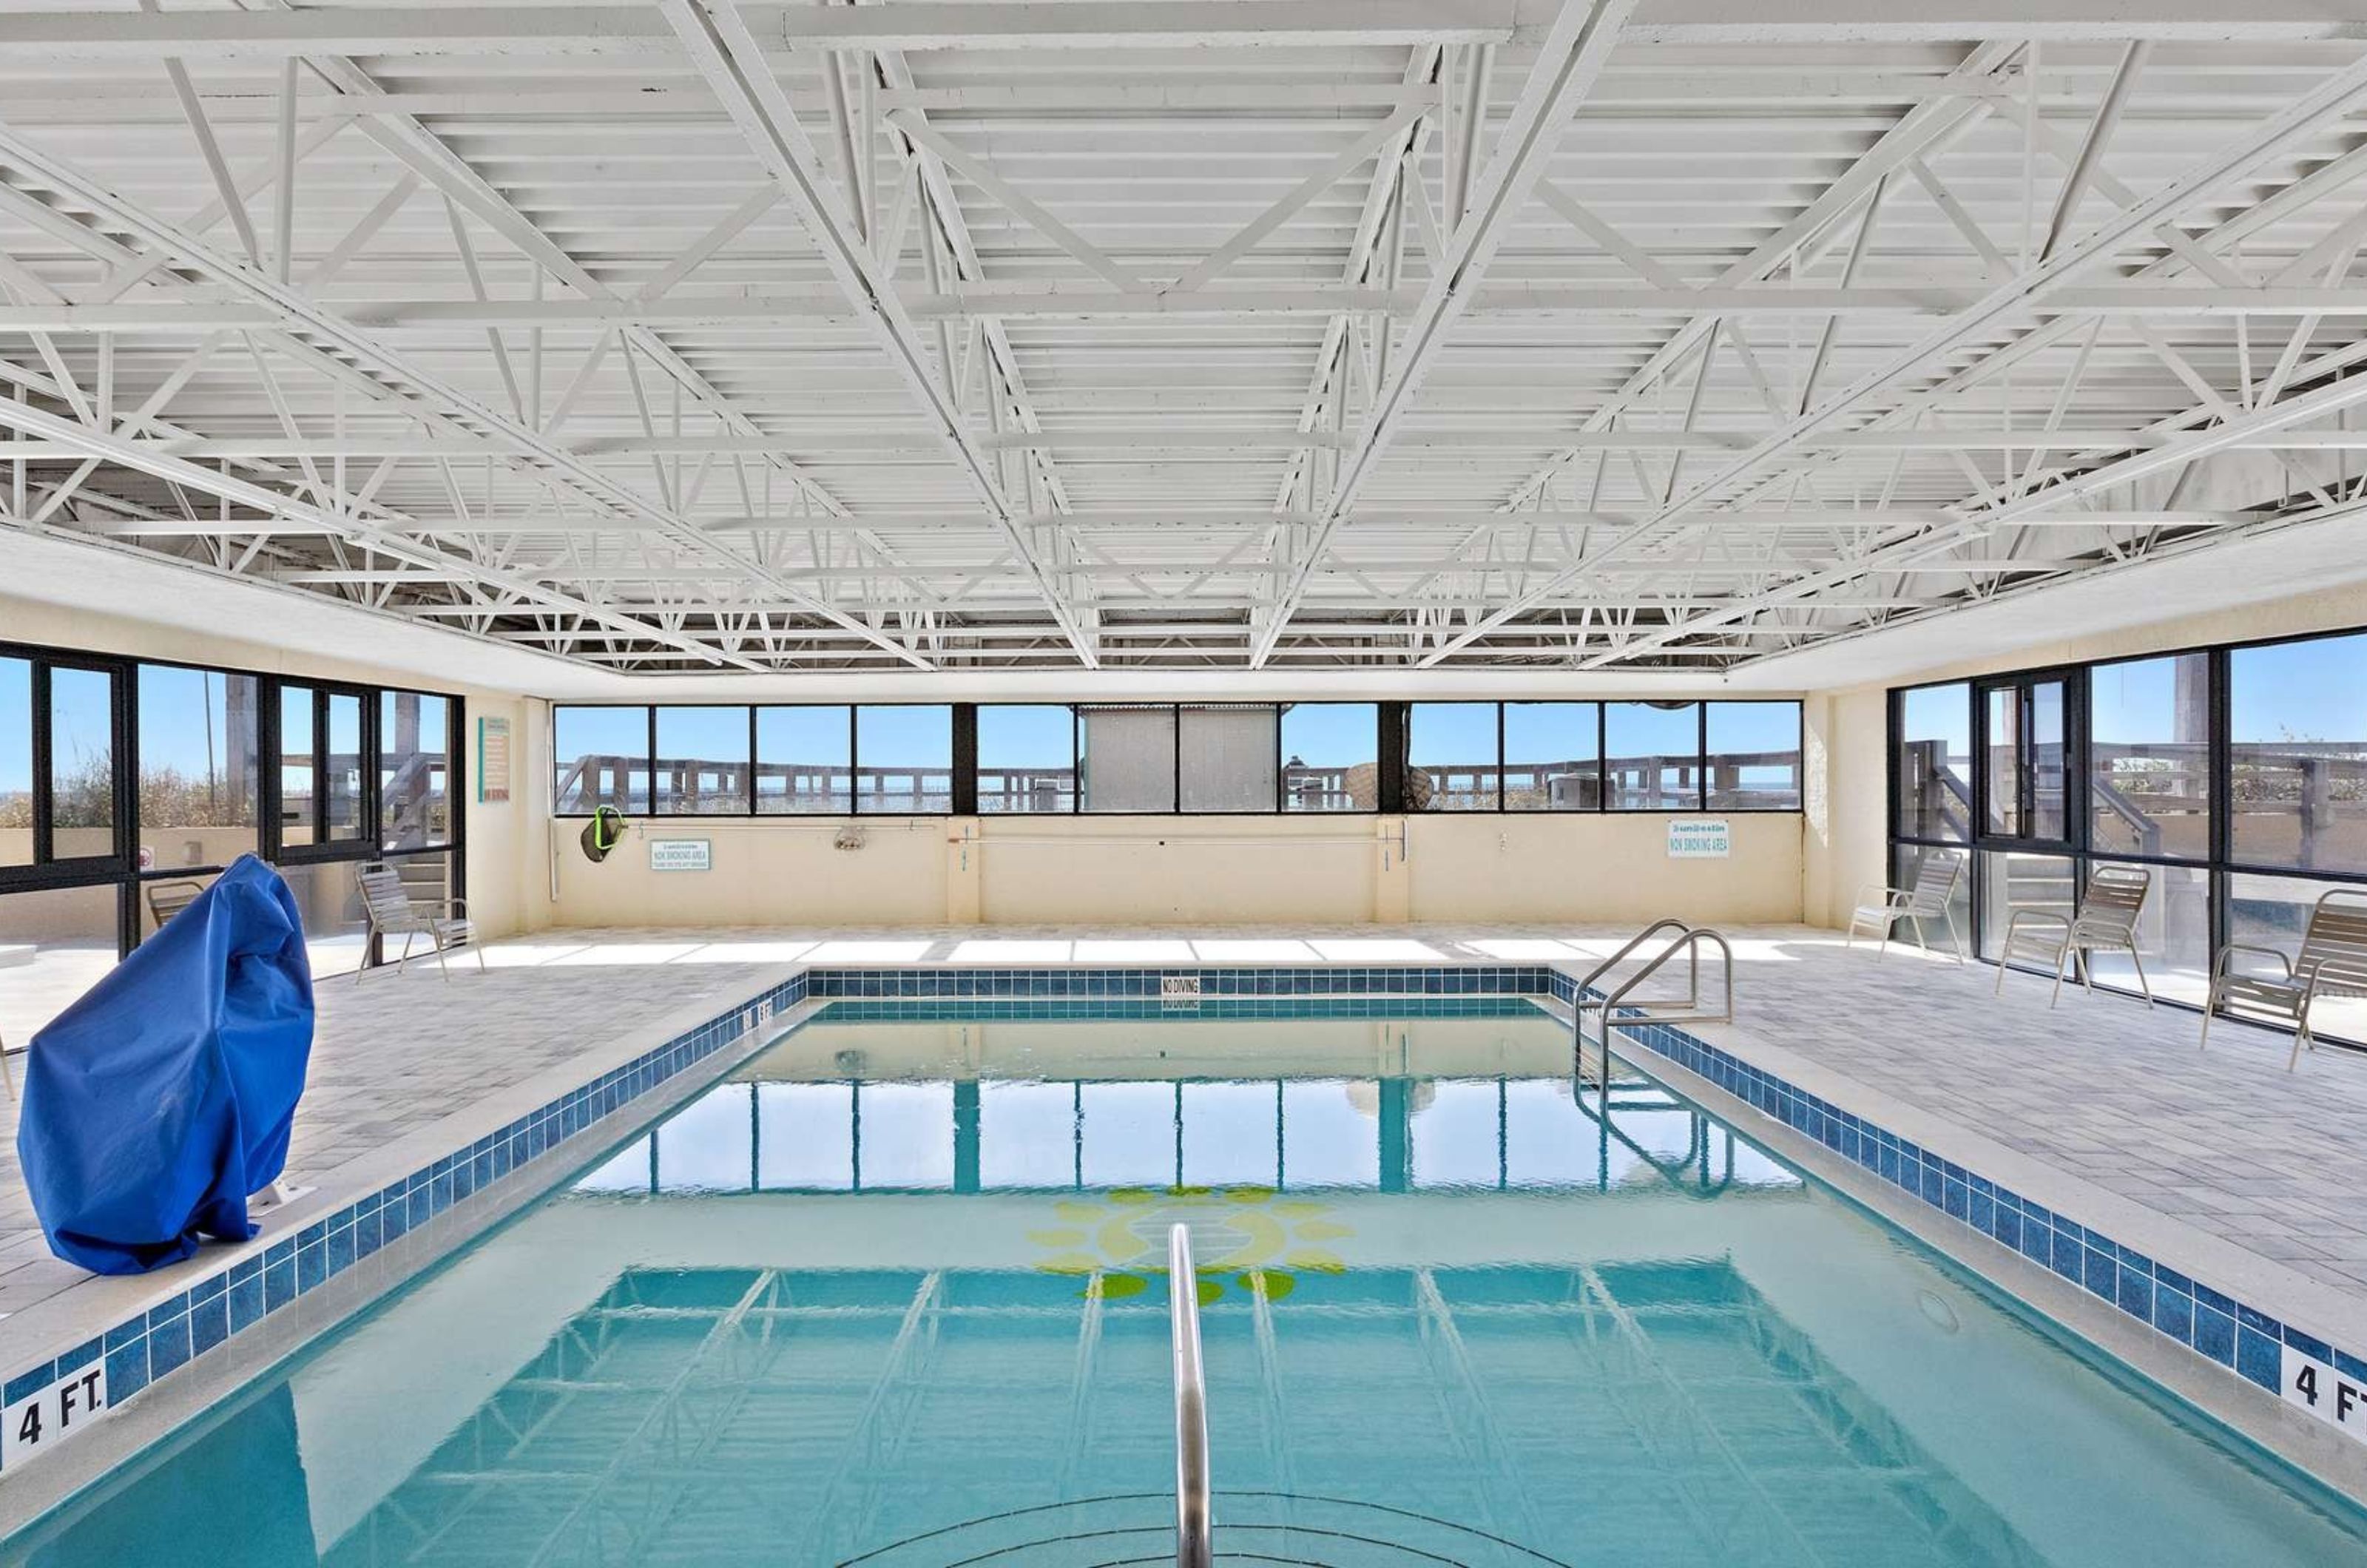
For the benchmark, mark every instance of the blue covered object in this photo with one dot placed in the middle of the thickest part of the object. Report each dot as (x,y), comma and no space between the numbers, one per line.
(156,1104)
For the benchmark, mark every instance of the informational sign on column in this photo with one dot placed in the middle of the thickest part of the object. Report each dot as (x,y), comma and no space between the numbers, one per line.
(493,760)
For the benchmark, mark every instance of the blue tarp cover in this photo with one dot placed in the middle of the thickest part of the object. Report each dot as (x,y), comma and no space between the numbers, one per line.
(156,1104)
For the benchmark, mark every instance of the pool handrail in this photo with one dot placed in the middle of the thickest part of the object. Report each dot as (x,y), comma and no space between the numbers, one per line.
(1192,1549)
(1586,981)
(1690,941)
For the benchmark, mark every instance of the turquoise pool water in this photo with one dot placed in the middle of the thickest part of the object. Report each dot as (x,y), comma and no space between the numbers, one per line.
(893,1293)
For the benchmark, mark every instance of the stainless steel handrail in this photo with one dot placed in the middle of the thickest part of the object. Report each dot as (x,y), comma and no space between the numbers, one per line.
(1690,941)
(1191,1521)
(1582,1002)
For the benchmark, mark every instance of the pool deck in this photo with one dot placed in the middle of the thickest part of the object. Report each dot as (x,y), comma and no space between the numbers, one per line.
(2219,1162)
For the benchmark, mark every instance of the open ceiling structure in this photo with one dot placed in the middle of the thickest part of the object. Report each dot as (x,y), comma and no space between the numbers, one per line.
(696,336)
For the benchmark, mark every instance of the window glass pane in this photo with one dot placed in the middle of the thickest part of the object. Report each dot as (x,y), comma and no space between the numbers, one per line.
(1232,1134)
(1935,763)
(2297,728)
(198,767)
(1451,757)
(1455,1124)
(1754,756)
(804,759)
(2173,936)
(1331,757)
(2010,882)
(2049,779)
(336,934)
(296,783)
(2001,780)
(1552,757)
(1330,1133)
(1230,757)
(603,756)
(1128,1134)
(1026,759)
(70,935)
(2273,911)
(414,770)
(704,1146)
(16,764)
(906,757)
(904,1136)
(2149,741)
(82,763)
(1653,755)
(1027,1133)
(702,763)
(805,1136)
(343,766)
(1126,758)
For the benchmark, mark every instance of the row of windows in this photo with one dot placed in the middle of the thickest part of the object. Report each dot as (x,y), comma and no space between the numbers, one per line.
(2235,777)
(1147,758)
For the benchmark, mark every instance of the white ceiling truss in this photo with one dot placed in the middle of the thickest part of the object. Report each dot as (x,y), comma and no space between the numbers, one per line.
(678,336)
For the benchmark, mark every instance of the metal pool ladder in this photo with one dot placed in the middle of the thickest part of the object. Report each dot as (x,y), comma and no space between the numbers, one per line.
(1687,940)
(1191,1521)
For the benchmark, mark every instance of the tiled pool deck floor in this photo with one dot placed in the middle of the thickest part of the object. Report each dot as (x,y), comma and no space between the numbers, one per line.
(2221,1159)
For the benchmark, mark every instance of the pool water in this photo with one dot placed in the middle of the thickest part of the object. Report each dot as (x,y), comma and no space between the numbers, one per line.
(894,1293)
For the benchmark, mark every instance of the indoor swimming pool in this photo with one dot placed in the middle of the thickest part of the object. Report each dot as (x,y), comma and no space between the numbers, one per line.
(894,1293)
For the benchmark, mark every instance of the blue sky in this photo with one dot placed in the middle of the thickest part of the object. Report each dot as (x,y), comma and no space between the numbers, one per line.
(1330,735)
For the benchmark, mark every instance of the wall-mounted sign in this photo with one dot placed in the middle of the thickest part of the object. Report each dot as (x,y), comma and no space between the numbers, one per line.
(493,760)
(1699,837)
(682,855)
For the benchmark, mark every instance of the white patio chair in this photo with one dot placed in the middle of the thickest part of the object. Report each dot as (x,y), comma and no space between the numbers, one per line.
(393,911)
(2107,918)
(1930,899)
(2332,962)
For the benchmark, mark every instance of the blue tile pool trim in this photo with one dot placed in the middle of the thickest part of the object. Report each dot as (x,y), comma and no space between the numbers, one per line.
(219,1307)
(2241,1338)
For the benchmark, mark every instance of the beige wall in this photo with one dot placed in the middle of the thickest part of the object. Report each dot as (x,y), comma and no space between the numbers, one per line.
(1852,727)
(497,834)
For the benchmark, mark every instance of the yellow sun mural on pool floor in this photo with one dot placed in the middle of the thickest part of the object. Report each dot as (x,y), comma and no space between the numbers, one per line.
(1249,1239)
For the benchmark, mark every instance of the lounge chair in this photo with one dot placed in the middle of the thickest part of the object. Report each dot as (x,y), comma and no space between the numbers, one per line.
(1930,899)
(393,911)
(2107,918)
(2332,962)
(166,899)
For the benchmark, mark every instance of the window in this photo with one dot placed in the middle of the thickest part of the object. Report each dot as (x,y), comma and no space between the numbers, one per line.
(71,932)
(1331,756)
(702,763)
(2173,936)
(2297,754)
(82,763)
(1754,756)
(1652,755)
(2001,763)
(336,931)
(1453,757)
(414,770)
(1126,759)
(1553,756)
(2149,757)
(1026,759)
(200,771)
(297,788)
(1228,758)
(2273,911)
(602,758)
(1935,763)
(15,764)
(805,762)
(341,769)
(2010,881)
(904,759)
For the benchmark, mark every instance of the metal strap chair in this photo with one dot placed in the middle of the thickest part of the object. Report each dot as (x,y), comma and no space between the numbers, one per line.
(394,911)
(2109,908)
(1931,897)
(2332,962)
(166,899)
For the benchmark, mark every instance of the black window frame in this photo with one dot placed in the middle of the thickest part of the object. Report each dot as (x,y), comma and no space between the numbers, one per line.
(122,871)
(2220,864)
